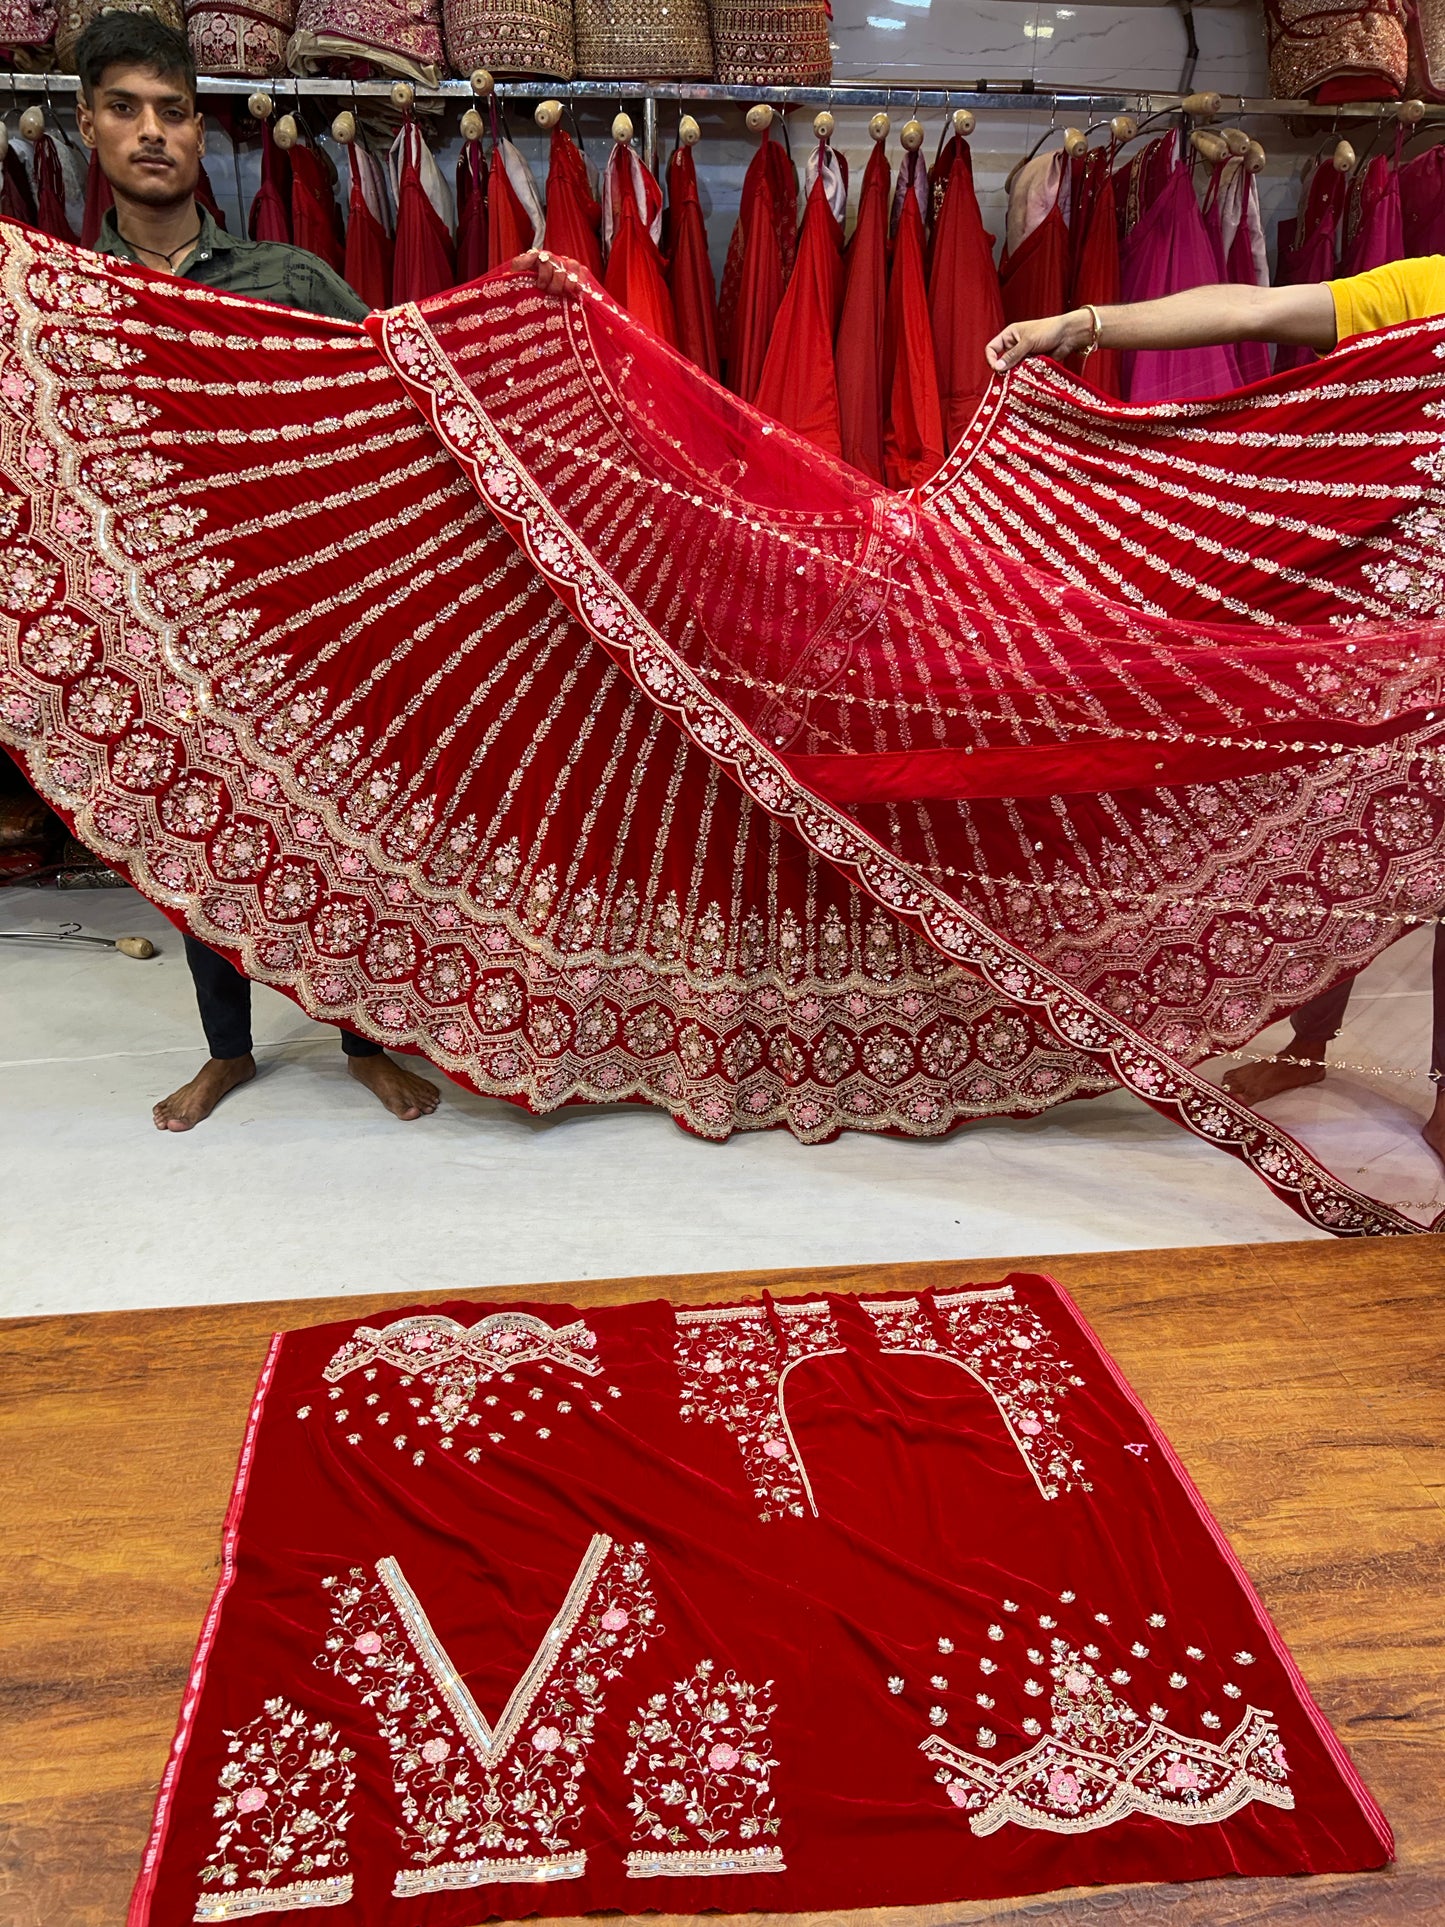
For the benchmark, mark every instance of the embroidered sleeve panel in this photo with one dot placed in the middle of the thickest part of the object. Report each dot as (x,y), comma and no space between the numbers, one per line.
(702,1764)
(284,1800)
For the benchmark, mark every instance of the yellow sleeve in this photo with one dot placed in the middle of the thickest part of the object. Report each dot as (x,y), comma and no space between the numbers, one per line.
(1401,291)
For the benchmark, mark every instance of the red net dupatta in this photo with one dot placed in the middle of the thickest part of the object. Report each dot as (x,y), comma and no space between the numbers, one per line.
(922,794)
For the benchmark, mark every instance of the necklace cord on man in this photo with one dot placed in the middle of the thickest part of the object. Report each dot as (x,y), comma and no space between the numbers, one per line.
(159,253)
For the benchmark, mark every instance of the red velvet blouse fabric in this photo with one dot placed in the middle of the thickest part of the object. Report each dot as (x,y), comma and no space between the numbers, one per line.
(851,1603)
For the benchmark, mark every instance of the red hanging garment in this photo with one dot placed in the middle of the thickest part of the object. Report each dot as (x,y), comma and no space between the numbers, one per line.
(16,200)
(694,297)
(1422,202)
(1096,262)
(631,222)
(514,213)
(270,217)
(859,351)
(315,224)
(1377,233)
(471,212)
(205,195)
(913,444)
(98,202)
(367,264)
(965,305)
(424,259)
(799,384)
(50,215)
(574,218)
(760,255)
(1309,251)
(1034,272)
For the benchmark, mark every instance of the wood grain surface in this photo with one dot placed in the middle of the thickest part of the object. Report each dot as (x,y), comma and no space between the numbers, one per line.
(1301,1385)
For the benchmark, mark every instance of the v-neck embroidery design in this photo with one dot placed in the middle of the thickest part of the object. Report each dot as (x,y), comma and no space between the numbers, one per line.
(491,1744)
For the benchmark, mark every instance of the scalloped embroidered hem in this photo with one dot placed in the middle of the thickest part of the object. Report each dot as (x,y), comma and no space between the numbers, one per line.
(716,1860)
(486,1873)
(335,1892)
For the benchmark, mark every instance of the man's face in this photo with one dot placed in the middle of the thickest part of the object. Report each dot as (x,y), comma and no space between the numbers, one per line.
(146,133)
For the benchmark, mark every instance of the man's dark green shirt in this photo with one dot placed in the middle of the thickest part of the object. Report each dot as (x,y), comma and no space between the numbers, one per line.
(265,270)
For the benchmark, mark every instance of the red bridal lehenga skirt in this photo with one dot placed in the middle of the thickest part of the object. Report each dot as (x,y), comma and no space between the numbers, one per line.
(492,682)
(794,1605)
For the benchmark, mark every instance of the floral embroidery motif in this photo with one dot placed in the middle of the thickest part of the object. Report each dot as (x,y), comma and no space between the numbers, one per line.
(1006,1346)
(701,1764)
(482,1804)
(283,1801)
(734,1363)
(455,1362)
(1099,1760)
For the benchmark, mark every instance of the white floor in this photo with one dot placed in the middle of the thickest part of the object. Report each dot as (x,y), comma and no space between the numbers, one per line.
(300,1185)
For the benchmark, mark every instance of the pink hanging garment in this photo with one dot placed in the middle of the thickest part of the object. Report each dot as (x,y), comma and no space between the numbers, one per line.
(1169,250)
(1377,236)
(1231,220)
(1309,245)
(1422,203)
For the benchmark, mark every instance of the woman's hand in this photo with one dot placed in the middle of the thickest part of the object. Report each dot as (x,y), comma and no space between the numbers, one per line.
(555,273)
(1059,335)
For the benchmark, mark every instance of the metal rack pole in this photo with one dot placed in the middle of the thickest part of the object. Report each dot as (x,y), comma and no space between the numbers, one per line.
(980,96)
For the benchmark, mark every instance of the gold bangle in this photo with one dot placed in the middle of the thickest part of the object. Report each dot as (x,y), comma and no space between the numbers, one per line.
(1098,335)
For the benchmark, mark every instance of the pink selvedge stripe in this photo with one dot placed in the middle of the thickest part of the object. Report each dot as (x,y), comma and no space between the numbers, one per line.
(140,1901)
(1374,1813)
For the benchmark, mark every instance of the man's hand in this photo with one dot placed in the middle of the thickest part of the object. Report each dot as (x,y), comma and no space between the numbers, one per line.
(555,273)
(1059,335)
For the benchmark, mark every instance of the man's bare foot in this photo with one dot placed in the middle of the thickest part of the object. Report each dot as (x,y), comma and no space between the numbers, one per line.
(1433,1130)
(184,1109)
(1253,1083)
(403,1093)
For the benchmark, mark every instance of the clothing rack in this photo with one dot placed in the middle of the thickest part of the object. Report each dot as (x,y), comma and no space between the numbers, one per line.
(980,96)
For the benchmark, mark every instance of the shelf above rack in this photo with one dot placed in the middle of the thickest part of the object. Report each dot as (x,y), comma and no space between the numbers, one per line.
(980,96)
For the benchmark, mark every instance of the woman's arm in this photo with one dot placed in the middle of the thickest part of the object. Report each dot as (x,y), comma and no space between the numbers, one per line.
(1198,318)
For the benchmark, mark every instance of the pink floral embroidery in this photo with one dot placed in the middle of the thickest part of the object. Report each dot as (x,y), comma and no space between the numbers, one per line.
(284,1802)
(702,1767)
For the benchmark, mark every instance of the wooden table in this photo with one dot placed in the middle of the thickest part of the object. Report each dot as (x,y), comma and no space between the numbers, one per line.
(1300,1383)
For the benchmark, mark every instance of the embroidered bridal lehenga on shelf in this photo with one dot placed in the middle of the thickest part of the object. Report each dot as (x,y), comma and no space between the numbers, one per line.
(494,683)
(791,1605)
